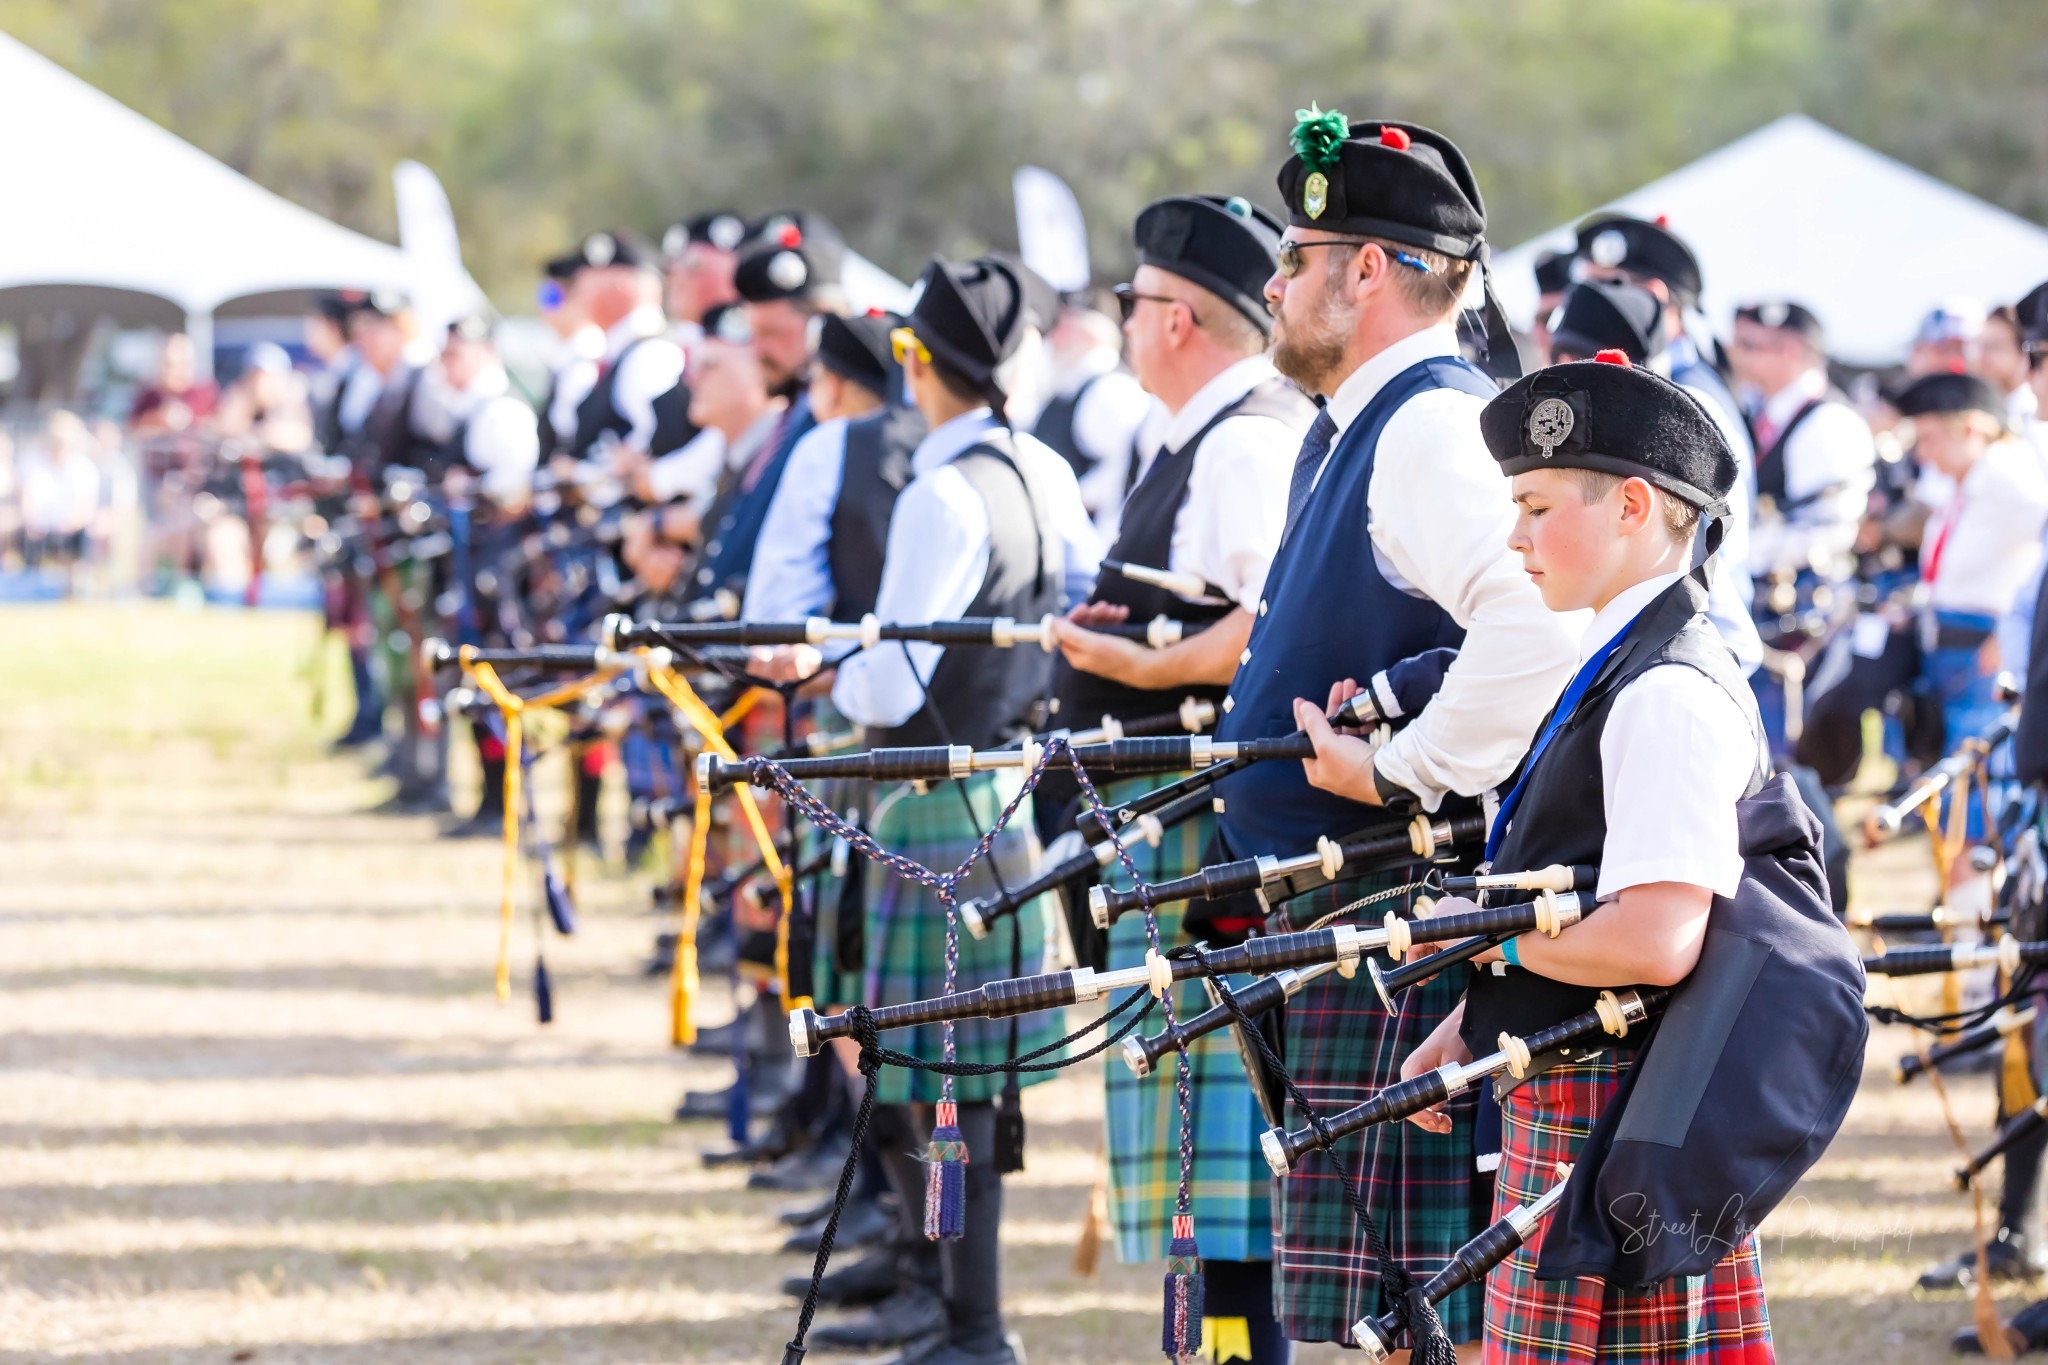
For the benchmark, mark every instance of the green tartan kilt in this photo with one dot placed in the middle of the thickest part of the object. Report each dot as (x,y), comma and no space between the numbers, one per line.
(1425,1196)
(1230,1187)
(906,934)
(834,984)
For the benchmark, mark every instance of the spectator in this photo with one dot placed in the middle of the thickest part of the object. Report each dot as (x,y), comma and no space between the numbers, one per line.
(60,498)
(267,404)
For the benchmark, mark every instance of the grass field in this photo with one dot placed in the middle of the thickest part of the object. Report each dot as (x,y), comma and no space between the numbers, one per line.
(258,1104)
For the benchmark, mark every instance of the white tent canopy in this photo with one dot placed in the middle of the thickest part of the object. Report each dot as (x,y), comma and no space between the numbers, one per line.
(100,196)
(1797,211)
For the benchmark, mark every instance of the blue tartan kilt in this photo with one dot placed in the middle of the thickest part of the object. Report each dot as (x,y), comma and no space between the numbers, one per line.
(1230,1186)
(905,957)
(1425,1196)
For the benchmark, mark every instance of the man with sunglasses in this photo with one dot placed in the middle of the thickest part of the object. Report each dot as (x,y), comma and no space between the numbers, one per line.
(1207,501)
(1395,542)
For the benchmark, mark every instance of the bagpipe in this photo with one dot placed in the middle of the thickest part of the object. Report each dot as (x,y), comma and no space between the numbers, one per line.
(998,632)
(1964,762)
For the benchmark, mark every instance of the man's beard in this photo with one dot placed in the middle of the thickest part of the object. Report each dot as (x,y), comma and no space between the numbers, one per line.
(1311,352)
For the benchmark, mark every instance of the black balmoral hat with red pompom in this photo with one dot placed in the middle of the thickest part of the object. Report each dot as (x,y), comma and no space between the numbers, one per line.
(1400,182)
(1610,416)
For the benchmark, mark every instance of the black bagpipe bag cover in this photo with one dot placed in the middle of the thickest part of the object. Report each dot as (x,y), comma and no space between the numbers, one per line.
(1743,1083)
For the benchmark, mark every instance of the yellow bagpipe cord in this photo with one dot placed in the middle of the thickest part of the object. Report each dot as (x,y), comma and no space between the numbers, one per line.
(513,707)
(683,980)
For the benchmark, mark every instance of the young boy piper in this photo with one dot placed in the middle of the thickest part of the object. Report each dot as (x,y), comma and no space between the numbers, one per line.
(1637,770)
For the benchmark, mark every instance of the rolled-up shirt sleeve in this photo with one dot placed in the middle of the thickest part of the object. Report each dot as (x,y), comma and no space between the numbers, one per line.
(1439,514)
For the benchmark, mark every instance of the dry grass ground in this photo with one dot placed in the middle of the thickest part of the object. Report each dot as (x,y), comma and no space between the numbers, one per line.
(257,1104)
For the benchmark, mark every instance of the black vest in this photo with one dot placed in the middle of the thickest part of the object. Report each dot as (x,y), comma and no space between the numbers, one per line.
(404,446)
(599,410)
(1562,817)
(875,470)
(1145,536)
(1055,426)
(673,428)
(980,696)
(1770,464)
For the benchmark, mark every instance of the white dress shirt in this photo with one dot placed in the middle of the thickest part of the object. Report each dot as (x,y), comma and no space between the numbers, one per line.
(792,573)
(1439,514)
(650,370)
(1109,423)
(503,445)
(1676,754)
(575,377)
(690,473)
(1228,527)
(1832,448)
(938,555)
(1981,550)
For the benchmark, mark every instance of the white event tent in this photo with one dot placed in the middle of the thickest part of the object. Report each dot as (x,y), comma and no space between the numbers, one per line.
(111,215)
(1797,211)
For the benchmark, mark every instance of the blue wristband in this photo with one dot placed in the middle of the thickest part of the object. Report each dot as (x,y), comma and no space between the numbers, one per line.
(1507,952)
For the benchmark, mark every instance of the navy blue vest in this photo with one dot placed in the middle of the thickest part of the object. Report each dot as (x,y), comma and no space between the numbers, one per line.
(1328,614)
(729,545)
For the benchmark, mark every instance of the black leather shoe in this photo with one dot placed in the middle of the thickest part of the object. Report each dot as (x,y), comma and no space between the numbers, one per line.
(799,1214)
(815,1169)
(910,1314)
(715,1041)
(869,1280)
(715,1104)
(940,1352)
(862,1225)
(485,824)
(2007,1259)
(2030,1325)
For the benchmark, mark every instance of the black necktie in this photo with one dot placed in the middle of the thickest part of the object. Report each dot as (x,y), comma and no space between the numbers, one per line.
(1314,448)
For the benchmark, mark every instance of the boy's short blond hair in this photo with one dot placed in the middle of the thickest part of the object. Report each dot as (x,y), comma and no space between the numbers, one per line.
(1681,518)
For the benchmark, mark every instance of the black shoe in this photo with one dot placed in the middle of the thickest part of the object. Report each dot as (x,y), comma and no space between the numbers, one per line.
(939,1352)
(2007,1260)
(869,1280)
(815,1169)
(485,824)
(663,961)
(910,1314)
(716,1104)
(797,1215)
(715,1041)
(862,1225)
(2030,1324)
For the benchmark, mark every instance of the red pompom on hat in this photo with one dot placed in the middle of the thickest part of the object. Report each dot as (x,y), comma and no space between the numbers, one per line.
(791,236)
(1663,220)
(1615,357)
(1395,138)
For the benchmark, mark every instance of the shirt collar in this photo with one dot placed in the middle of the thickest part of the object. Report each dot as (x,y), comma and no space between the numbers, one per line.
(1614,618)
(644,321)
(1363,384)
(1780,406)
(1227,387)
(950,437)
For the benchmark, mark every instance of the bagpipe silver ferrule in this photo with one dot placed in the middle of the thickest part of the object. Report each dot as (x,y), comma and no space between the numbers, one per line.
(614,629)
(1196,715)
(803,1030)
(1135,1057)
(1048,638)
(1523,1218)
(1273,1146)
(1161,632)
(1098,900)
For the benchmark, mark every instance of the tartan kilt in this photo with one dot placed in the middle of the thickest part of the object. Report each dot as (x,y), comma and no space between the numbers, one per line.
(1425,1196)
(833,983)
(1718,1318)
(906,934)
(1230,1187)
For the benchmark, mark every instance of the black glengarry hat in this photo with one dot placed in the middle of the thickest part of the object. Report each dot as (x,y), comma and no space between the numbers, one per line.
(1646,250)
(1786,316)
(604,249)
(1608,415)
(1598,315)
(723,230)
(970,315)
(1941,393)
(857,349)
(1228,246)
(789,256)
(1390,179)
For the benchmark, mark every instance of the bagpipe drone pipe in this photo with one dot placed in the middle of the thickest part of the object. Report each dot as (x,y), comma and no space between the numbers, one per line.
(1962,762)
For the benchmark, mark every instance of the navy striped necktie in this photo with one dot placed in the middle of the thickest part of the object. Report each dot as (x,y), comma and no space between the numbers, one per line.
(1315,447)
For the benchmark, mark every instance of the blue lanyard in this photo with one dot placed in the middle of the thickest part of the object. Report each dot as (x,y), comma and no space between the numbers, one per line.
(1574,692)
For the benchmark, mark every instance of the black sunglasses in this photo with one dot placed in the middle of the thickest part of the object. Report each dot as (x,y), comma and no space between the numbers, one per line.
(1128,298)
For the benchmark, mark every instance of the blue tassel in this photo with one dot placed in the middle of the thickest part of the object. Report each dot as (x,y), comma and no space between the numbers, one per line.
(560,908)
(1180,1332)
(543,992)
(945,1188)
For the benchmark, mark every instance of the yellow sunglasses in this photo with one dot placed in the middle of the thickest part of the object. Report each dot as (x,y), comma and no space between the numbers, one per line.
(903,342)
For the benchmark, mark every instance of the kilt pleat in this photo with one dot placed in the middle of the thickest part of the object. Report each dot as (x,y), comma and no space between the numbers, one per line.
(1341,1045)
(1230,1188)
(1718,1318)
(906,933)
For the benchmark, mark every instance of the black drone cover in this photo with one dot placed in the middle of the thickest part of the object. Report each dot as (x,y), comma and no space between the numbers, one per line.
(1745,1081)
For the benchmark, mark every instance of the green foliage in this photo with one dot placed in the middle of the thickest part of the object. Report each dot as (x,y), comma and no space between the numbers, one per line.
(903,119)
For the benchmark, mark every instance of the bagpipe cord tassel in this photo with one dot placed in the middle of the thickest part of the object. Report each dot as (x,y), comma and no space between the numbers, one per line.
(1180,1334)
(509,707)
(555,892)
(543,992)
(683,980)
(945,1182)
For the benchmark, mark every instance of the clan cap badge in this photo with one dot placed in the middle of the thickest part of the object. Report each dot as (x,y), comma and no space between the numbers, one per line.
(1550,423)
(1318,137)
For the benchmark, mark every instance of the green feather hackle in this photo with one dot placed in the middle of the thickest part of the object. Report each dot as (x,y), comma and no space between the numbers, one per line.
(1318,135)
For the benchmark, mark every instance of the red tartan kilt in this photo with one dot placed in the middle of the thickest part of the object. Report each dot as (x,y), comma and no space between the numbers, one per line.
(1718,1318)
